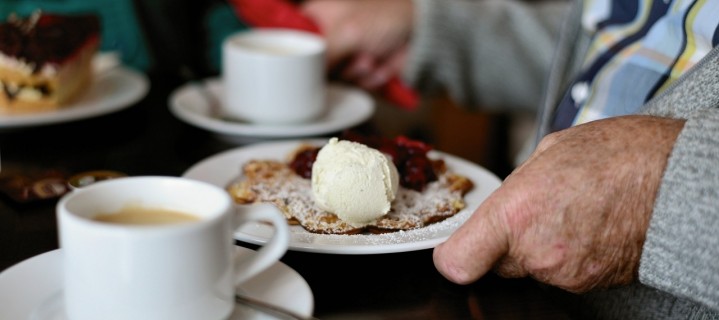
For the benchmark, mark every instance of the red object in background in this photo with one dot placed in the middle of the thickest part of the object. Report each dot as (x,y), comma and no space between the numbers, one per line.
(273,13)
(284,14)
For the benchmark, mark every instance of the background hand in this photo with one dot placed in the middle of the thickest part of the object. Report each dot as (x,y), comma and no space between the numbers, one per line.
(367,40)
(575,214)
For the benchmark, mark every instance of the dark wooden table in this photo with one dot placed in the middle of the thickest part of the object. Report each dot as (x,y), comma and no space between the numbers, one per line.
(146,139)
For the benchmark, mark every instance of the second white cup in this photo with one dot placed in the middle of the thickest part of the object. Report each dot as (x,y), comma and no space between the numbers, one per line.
(157,248)
(273,76)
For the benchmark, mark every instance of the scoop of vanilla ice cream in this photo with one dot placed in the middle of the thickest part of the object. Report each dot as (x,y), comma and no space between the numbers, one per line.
(354,181)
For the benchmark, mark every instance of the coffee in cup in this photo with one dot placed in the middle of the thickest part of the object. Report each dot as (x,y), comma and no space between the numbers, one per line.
(139,215)
(118,269)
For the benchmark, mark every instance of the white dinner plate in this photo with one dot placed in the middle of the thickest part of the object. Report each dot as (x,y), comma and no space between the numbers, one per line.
(347,107)
(221,169)
(32,289)
(111,90)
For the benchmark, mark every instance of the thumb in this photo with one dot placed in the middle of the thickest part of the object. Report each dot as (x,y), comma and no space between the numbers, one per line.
(475,247)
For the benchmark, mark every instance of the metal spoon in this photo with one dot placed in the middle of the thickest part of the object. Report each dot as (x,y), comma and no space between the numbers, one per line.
(279,312)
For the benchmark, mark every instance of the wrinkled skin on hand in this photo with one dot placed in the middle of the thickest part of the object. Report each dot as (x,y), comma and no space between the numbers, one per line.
(366,40)
(575,214)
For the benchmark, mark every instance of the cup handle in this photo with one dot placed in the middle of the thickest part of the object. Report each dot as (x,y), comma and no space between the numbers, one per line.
(247,267)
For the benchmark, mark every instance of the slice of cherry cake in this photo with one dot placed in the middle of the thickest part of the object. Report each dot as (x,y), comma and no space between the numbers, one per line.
(45,60)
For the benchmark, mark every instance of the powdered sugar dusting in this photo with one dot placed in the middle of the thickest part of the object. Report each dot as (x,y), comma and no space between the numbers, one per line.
(427,233)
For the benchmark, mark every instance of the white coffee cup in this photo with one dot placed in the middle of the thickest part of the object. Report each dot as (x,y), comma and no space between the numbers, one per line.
(173,271)
(273,76)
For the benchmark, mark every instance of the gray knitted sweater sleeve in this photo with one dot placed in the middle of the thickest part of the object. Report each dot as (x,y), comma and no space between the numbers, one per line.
(681,252)
(489,53)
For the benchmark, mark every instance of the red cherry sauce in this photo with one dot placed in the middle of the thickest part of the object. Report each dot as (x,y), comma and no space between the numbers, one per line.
(409,156)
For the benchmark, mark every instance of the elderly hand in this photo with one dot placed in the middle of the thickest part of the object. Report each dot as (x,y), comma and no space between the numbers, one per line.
(574,215)
(366,39)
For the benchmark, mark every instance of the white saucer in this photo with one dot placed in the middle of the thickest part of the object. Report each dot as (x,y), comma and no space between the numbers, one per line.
(33,289)
(111,90)
(347,107)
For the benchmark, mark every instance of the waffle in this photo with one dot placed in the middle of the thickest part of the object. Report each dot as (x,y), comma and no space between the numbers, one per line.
(275,182)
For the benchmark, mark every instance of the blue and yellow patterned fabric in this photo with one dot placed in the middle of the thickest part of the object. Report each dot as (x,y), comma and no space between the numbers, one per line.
(639,47)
